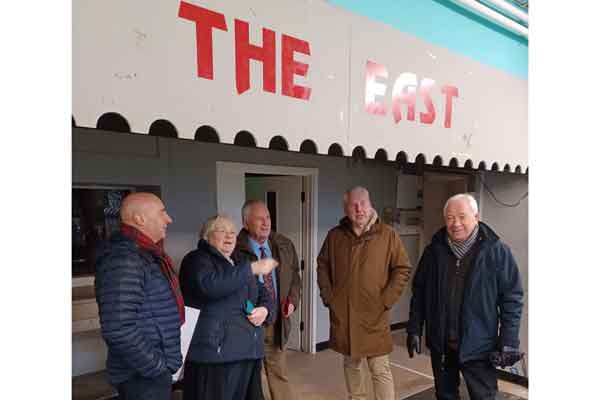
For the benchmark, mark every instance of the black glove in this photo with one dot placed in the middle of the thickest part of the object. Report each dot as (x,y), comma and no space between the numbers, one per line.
(505,358)
(413,343)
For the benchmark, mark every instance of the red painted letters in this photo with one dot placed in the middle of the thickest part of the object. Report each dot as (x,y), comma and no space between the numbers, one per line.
(374,88)
(404,92)
(450,92)
(205,20)
(291,67)
(244,51)
(425,91)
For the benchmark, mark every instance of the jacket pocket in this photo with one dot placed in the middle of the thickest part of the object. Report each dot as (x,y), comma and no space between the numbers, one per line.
(336,308)
(161,338)
(209,335)
(242,339)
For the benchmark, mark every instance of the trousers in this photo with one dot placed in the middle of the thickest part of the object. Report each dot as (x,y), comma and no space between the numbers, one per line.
(480,376)
(140,388)
(238,380)
(381,375)
(276,383)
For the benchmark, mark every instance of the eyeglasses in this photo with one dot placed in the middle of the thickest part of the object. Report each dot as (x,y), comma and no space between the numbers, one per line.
(223,231)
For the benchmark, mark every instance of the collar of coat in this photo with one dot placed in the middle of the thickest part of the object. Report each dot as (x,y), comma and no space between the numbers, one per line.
(373,225)
(243,243)
(207,247)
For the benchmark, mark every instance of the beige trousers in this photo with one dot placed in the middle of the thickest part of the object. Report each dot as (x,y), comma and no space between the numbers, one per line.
(275,382)
(381,374)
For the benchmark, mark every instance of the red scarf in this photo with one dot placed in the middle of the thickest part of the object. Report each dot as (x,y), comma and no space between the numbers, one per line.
(166,264)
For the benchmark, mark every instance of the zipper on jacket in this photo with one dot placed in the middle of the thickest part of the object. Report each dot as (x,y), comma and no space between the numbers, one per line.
(442,289)
(483,245)
(456,272)
(222,337)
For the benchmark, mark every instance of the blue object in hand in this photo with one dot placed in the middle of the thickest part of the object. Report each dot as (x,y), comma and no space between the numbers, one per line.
(248,307)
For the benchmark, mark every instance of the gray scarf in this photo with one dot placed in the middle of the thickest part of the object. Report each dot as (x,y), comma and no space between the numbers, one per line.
(461,248)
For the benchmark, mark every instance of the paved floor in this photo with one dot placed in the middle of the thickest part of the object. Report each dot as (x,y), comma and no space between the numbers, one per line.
(429,394)
(320,377)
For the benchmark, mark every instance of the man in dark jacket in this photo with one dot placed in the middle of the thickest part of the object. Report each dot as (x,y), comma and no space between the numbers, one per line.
(257,241)
(467,292)
(140,302)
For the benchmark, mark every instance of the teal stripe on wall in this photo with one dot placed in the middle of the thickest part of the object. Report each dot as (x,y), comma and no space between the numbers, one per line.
(447,25)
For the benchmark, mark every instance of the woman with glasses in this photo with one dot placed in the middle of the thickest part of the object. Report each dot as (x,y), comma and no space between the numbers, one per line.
(224,358)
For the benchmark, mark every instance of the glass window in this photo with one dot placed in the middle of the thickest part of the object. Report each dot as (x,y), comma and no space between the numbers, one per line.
(95,217)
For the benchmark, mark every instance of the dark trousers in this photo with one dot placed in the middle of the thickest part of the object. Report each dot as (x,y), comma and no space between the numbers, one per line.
(480,376)
(139,388)
(231,381)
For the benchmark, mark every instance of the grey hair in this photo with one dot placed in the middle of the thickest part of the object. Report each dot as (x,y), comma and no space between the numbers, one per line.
(361,189)
(247,206)
(463,196)
(209,225)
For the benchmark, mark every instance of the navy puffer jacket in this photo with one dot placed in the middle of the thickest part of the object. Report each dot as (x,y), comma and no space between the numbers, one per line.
(138,312)
(492,300)
(209,282)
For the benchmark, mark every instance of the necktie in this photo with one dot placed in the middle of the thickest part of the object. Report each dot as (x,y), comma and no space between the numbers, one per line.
(268,279)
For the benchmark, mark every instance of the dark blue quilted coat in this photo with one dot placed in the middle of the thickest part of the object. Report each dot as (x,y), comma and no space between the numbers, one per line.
(219,289)
(138,313)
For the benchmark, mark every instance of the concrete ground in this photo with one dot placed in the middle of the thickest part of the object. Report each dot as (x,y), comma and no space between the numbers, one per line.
(320,377)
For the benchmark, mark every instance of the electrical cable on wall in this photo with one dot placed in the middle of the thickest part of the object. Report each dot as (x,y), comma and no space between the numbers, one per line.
(487,189)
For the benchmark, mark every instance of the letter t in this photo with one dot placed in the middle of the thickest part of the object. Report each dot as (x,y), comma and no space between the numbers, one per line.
(205,20)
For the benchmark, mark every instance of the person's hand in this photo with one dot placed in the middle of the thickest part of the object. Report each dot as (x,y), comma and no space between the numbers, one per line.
(505,358)
(413,343)
(288,309)
(258,316)
(263,266)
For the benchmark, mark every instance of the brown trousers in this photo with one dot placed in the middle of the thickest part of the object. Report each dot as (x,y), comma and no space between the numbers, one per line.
(381,374)
(275,380)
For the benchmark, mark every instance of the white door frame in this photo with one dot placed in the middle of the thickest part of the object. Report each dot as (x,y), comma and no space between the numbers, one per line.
(309,278)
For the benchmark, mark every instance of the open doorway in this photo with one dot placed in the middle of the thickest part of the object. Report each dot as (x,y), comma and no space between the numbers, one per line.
(291,196)
(283,196)
(418,215)
(436,189)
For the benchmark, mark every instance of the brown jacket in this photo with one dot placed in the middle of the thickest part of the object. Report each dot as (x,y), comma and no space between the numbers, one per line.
(360,278)
(288,275)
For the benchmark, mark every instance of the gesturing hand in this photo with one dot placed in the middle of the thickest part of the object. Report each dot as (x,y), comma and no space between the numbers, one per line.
(263,266)
(258,315)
